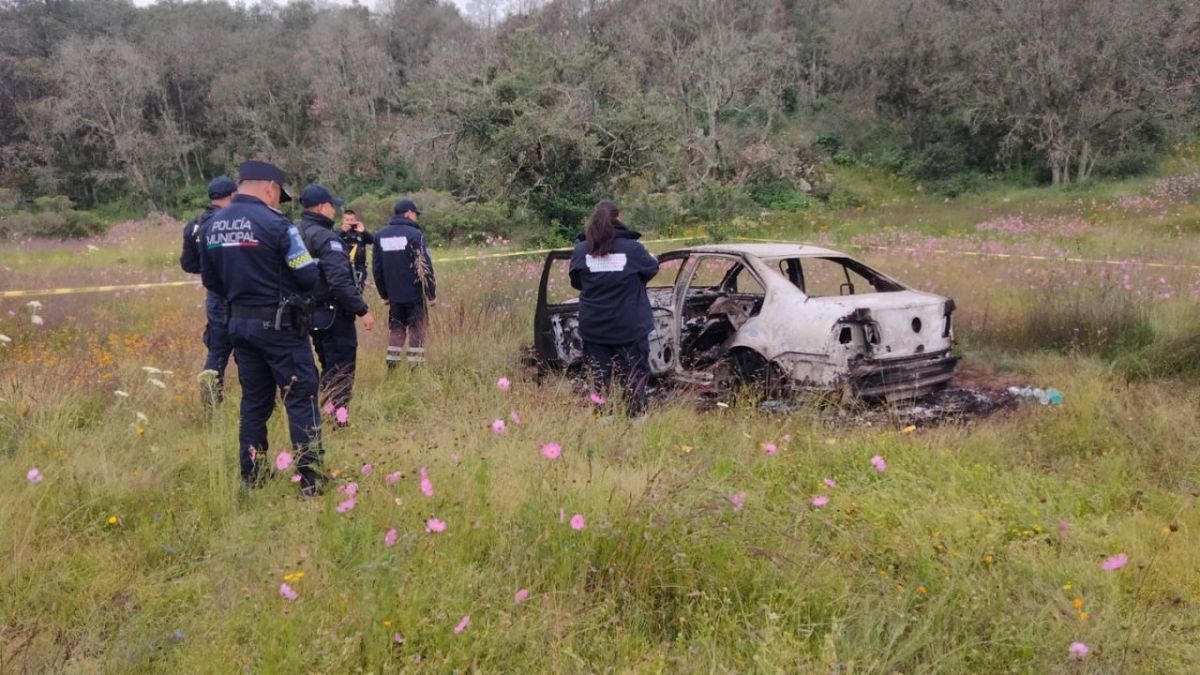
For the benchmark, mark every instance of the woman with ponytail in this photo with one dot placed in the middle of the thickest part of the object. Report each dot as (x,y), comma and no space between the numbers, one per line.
(610,269)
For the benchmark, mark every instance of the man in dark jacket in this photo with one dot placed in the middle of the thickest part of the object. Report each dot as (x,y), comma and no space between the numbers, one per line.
(404,278)
(216,338)
(336,300)
(357,239)
(256,260)
(611,269)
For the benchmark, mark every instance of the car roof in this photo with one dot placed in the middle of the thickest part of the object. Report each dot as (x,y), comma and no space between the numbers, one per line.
(768,250)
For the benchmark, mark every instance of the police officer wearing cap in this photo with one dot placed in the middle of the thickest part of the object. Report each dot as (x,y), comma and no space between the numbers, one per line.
(216,339)
(255,259)
(336,299)
(404,278)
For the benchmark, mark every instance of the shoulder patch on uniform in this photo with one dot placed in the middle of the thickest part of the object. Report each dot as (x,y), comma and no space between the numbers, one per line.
(393,243)
(335,245)
(297,255)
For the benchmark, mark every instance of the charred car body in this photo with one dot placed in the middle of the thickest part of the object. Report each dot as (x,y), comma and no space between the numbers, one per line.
(803,317)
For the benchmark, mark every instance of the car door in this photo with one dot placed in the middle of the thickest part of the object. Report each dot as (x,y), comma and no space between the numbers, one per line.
(556,338)
(664,339)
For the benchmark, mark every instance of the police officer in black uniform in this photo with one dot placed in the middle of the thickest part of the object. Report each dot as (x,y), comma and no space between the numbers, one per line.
(216,338)
(611,269)
(336,298)
(255,259)
(404,278)
(357,239)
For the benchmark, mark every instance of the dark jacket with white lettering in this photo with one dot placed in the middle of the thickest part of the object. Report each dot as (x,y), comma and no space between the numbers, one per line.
(396,249)
(253,256)
(189,258)
(337,275)
(613,306)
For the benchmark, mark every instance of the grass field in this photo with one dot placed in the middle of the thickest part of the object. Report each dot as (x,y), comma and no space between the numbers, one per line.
(979,548)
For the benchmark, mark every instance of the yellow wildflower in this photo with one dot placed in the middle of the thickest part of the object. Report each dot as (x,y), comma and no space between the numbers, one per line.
(1083,616)
(293,577)
(113,521)
(1077,603)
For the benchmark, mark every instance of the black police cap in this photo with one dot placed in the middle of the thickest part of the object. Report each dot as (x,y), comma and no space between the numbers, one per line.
(221,187)
(256,170)
(404,206)
(315,194)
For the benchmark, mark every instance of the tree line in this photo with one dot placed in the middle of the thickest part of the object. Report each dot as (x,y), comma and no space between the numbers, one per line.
(552,106)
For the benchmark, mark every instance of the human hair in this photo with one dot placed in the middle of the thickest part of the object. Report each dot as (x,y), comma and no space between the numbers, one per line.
(350,212)
(601,228)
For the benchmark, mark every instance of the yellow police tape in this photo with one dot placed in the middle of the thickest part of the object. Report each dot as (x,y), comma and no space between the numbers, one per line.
(515,254)
(196,282)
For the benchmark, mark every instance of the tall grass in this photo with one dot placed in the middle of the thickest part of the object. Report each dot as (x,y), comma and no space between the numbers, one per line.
(968,553)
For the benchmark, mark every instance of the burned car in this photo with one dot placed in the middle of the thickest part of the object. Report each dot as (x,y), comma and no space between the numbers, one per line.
(792,316)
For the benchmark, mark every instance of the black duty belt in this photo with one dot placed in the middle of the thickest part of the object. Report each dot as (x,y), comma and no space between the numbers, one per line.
(247,312)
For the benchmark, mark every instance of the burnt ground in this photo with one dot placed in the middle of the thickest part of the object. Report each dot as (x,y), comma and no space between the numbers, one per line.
(975,393)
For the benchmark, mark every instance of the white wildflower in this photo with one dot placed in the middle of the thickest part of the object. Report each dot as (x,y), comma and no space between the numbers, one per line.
(34,305)
(141,418)
(168,372)
(151,370)
(37,320)
(158,383)
(5,339)
(122,394)
(92,249)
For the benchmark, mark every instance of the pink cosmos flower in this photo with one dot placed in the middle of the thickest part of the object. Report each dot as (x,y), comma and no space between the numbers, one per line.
(820,500)
(34,476)
(1115,563)
(503,384)
(367,469)
(498,427)
(434,525)
(328,409)
(347,505)
(577,522)
(394,477)
(551,450)
(738,499)
(1078,651)
(426,484)
(253,452)
(596,399)
(342,416)
(349,489)
(830,483)
(286,591)
(787,439)
(296,478)
(398,639)
(521,596)
(462,625)
(770,448)
(879,463)
(454,458)
(389,539)
(283,460)
(515,417)
(1064,527)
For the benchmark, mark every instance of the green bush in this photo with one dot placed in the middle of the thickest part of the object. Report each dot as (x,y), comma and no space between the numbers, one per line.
(654,212)
(719,203)
(778,194)
(68,224)
(443,217)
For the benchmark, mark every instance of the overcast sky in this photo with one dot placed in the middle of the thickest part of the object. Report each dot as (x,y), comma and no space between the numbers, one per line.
(462,4)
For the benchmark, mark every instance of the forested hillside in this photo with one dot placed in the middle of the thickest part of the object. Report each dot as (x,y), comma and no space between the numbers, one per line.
(546,110)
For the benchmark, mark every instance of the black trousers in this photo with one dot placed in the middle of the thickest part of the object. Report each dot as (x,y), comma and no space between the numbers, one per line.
(337,351)
(268,361)
(630,362)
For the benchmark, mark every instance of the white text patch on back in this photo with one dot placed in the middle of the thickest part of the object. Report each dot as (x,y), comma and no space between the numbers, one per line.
(614,262)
